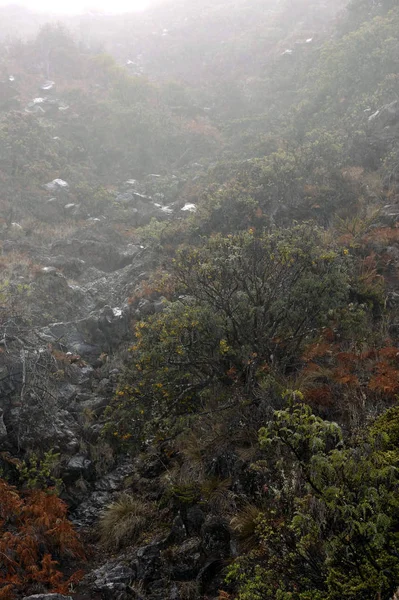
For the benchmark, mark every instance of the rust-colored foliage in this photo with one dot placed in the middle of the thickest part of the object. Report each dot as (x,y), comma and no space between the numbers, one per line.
(321,396)
(330,370)
(317,350)
(159,283)
(386,378)
(383,236)
(33,529)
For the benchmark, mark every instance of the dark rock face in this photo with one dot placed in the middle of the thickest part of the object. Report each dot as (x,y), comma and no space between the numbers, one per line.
(54,428)
(178,532)
(56,298)
(184,561)
(81,316)
(105,490)
(149,563)
(47,597)
(195,518)
(216,537)
(89,337)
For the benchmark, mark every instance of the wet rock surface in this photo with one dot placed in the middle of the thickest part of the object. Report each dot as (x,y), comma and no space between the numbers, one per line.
(79,325)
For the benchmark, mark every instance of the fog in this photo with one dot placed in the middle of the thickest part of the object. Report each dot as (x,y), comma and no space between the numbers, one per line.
(79,6)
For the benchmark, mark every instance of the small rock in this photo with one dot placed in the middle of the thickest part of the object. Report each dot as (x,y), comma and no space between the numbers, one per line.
(185,562)
(56,184)
(79,463)
(149,562)
(111,578)
(178,532)
(189,208)
(47,85)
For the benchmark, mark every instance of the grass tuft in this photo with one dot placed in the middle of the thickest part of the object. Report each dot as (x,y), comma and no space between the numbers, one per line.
(123,521)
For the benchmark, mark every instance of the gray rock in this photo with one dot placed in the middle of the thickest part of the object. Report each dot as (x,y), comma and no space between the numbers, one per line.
(114,481)
(44,425)
(54,298)
(106,489)
(215,537)
(79,464)
(185,562)
(125,198)
(389,215)
(145,308)
(90,509)
(385,116)
(149,562)
(67,393)
(101,255)
(47,597)
(393,252)
(383,125)
(89,337)
(56,184)
(3,429)
(94,404)
(159,306)
(113,577)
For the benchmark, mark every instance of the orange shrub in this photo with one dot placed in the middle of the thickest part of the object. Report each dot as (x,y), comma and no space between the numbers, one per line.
(34,529)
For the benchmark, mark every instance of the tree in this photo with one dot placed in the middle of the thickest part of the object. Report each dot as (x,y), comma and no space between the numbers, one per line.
(243,304)
(272,291)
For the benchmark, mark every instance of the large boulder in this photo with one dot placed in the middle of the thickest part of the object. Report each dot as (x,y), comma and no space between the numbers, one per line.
(52,297)
(88,338)
(40,424)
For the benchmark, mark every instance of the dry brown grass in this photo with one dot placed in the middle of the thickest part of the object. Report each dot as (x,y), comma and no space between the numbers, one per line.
(216,492)
(50,232)
(124,521)
(245,523)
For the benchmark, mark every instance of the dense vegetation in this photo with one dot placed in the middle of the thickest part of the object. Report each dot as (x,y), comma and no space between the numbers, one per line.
(267,379)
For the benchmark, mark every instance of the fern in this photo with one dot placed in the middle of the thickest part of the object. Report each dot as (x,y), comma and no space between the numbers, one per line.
(33,528)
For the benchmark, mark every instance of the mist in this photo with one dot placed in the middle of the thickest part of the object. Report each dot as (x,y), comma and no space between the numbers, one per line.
(72,7)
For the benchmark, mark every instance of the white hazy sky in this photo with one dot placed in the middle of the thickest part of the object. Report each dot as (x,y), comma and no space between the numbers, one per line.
(78,6)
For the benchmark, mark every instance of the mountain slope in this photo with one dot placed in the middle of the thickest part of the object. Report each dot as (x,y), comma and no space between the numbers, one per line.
(199,307)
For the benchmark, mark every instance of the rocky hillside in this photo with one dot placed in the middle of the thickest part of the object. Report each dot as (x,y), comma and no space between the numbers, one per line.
(199,303)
